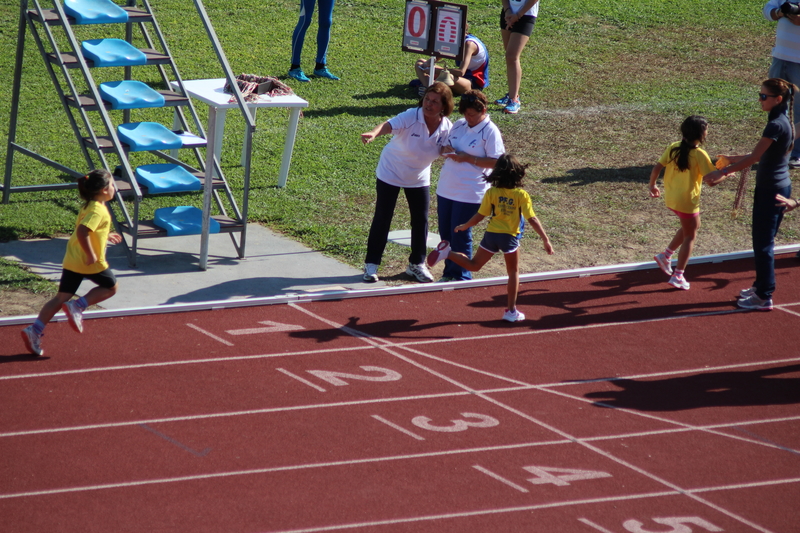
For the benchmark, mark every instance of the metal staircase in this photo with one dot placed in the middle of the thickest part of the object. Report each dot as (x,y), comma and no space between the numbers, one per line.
(106,116)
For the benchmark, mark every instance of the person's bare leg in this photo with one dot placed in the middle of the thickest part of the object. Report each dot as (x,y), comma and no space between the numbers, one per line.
(512,268)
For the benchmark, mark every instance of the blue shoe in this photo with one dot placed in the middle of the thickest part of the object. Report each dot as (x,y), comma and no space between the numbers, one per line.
(325,73)
(512,108)
(298,74)
(504,101)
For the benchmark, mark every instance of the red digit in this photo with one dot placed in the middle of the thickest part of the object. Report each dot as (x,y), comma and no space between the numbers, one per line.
(417,31)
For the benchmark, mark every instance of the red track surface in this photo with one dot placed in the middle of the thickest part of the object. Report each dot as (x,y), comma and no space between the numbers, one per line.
(620,405)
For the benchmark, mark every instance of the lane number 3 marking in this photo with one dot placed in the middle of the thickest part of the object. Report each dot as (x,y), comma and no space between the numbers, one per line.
(480,421)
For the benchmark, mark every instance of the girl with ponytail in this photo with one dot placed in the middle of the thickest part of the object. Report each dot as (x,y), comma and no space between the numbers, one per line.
(85,258)
(684,164)
(772,178)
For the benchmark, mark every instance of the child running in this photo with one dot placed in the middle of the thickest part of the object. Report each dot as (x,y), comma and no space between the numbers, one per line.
(686,164)
(507,204)
(85,258)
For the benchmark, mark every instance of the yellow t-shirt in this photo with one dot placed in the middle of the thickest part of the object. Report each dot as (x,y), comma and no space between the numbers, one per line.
(506,207)
(682,189)
(96,217)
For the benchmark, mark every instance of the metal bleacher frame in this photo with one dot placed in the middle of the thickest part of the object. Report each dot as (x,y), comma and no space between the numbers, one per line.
(97,147)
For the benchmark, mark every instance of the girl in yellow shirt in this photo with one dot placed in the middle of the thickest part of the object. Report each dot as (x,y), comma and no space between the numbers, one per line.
(85,258)
(684,164)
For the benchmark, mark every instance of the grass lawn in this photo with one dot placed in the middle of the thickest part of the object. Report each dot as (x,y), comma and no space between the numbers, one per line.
(605,86)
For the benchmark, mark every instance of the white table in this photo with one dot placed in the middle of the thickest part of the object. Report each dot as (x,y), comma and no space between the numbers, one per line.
(210,91)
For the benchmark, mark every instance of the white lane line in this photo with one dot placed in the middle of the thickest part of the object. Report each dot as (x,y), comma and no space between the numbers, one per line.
(500,478)
(558,431)
(301,380)
(208,333)
(207,416)
(398,428)
(288,468)
(592,524)
(186,362)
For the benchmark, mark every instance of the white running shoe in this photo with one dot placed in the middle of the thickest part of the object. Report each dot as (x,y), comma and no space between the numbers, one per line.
(664,263)
(513,316)
(420,272)
(32,340)
(679,282)
(74,316)
(439,253)
(370,272)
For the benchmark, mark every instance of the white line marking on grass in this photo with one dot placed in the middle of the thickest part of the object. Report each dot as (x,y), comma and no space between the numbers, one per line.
(301,380)
(204,332)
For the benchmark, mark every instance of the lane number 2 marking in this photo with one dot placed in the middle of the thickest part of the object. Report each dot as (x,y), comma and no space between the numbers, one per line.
(337,378)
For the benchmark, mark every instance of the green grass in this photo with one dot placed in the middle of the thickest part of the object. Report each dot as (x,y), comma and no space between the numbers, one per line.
(605,86)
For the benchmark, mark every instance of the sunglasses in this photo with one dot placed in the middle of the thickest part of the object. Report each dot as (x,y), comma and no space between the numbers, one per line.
(762,96)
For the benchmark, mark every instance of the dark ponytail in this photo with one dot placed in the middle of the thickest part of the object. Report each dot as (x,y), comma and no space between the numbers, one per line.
(693,130)
(781,87)
(90,185)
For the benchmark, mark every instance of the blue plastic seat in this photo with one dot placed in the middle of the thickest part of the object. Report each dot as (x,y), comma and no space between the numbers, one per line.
(112,53)
(166,178)
(147,136)
(183,220)
(130,94)
(95,12)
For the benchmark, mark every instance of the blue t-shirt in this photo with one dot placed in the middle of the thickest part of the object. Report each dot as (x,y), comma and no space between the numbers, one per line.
(773,167)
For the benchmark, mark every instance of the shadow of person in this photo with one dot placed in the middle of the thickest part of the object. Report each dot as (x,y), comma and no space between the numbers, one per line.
(770,386)
(381,329)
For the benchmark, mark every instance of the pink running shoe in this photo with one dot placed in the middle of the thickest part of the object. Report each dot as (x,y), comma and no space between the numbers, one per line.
(439,253)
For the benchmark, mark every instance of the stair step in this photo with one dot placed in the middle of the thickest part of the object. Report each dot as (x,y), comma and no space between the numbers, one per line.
(125,189)
(148,136)
(88,103)
(95,12)
(153,57)
(188,140)
(183,220)
(148,229)
(112,53)
(50,16)
(167,178)
(130,94)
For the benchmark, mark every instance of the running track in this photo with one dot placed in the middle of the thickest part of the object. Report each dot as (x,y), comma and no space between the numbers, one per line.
(620,405)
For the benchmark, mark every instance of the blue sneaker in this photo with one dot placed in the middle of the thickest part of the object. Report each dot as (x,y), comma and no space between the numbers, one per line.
(298,74)
(504,101)
(512,108)
(325,73)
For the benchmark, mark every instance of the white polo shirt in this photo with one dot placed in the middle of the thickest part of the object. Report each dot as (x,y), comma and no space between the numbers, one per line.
(406,160)
(516,5)
(463,182)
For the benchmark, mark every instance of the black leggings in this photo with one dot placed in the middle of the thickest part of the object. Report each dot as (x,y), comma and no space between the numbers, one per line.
(419,202)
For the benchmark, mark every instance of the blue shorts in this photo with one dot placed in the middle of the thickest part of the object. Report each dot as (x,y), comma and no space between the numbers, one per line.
(500,242)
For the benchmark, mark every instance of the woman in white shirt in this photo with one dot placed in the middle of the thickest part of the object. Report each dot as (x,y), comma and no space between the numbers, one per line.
(473,147)
(405,163)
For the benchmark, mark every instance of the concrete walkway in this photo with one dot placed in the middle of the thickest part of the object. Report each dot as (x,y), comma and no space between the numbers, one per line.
(168,272)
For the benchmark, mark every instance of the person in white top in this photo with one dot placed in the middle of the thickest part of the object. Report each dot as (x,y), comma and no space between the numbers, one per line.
(473,147)
(516,25)
(786,58)
(471,73)
(405,163)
